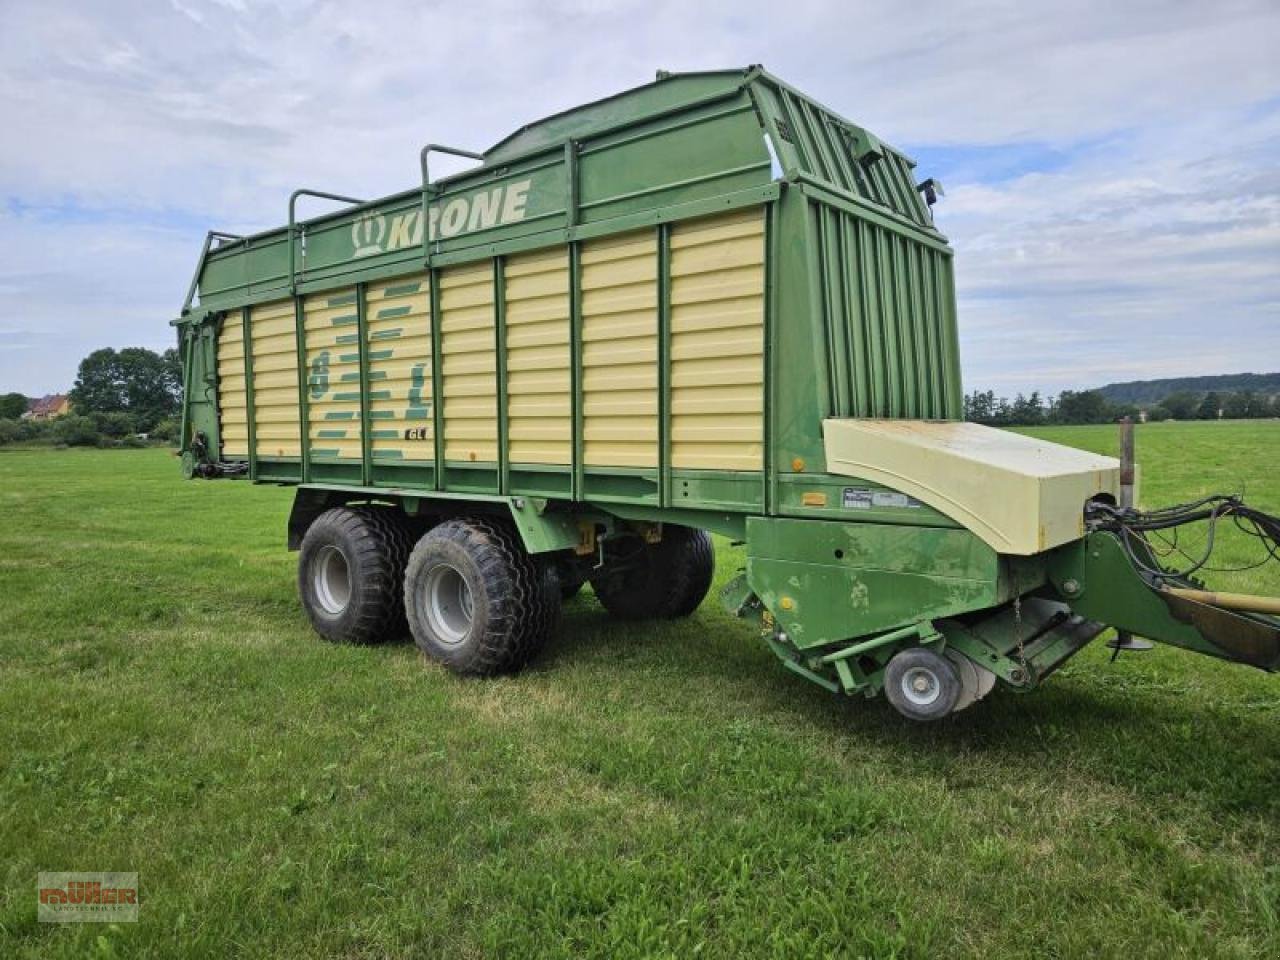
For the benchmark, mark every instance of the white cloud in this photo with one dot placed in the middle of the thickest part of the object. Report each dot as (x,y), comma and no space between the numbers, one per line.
(200,114)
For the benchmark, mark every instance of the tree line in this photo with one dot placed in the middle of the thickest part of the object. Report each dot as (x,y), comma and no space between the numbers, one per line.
(1091,406)
(125,397)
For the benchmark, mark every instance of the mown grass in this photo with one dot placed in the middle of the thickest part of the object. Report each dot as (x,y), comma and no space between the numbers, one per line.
(664,790)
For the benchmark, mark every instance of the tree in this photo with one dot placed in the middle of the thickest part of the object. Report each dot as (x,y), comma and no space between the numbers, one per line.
(75,431)
(980,407)
(166,430)
(1181,406)
(12,406)
(1210,407)
(1239,406)
(114,425)
(1084,406)
(1027,411)
(134,380)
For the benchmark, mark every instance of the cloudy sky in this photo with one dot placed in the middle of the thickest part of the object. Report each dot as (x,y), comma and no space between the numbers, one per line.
(1112,169)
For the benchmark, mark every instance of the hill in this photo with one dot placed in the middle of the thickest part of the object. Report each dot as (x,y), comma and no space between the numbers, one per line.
(1153,391)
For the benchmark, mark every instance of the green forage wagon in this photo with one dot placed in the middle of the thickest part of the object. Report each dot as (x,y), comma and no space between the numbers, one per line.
(705,304)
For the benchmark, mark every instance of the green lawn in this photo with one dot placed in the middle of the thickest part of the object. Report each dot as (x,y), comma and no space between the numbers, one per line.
(641,791)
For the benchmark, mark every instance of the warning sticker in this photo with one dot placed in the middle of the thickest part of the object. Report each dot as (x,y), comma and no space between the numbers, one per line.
(856,498)
(862,498)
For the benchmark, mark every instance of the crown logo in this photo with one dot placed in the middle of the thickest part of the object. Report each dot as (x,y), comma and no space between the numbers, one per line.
(368,233)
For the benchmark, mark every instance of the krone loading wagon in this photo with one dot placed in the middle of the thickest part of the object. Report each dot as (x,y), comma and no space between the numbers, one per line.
(705,304)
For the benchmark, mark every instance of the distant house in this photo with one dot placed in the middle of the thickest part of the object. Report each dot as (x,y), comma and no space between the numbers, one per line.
(48,407)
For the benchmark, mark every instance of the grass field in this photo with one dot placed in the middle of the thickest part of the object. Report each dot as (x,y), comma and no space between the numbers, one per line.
(664,790)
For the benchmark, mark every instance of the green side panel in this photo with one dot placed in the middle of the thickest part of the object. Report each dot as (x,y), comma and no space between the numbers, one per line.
(884,309)
(827,582)
(670,160)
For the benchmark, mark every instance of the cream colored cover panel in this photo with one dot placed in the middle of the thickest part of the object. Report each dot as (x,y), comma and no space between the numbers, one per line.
(1019,494)
(619,278)
(273,329)
(717,342)
(232,397)
(469,368)
(539,386)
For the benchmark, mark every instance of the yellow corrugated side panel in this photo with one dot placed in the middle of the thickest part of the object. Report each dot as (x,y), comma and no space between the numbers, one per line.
(398,321)
(717,342)
(620,350)
(232,403)
(468,358)
(275,380)
(333,374)
(539,386)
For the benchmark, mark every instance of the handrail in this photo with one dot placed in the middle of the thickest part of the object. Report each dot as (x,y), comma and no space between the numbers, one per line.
(426,188)
(204,253)
(293,208)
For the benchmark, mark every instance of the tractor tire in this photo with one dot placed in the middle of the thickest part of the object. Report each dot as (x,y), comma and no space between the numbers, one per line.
(922,685)
(476,601)
(351,574)
(666,580)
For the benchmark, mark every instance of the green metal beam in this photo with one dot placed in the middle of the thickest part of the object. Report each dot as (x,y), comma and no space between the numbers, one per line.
(437,379)
(664,364)
(366,432)
(250,408)
(500,348)
(575,365)
(304,402)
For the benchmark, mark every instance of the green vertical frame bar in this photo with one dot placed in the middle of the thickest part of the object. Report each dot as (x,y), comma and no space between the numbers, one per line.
(571,171)
(366,437)
(304,403)
(250,410)
(575,363)
(664,364)
(812,221)
(210,378)
(770,376)
(500,345)
(437,379)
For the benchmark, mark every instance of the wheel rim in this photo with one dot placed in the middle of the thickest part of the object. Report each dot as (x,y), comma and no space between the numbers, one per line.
(332,580)
(921,686)
(449,605)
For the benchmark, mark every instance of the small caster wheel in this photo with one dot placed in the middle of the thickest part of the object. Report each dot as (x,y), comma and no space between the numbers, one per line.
(922,685)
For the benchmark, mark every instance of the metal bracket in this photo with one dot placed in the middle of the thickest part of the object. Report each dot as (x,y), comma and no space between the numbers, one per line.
(293,225)
(427,190)
(204,255)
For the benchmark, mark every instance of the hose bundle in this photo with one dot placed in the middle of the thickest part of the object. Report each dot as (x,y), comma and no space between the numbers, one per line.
(1138,528)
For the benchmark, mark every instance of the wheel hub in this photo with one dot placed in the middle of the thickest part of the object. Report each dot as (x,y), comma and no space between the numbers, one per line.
(449,606)
(332,580)
(920,686)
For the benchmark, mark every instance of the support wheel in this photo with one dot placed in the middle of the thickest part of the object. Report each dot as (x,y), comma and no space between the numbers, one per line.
(476,600)
(662,580)
(922,685)
(351,574)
